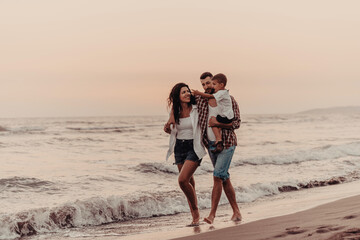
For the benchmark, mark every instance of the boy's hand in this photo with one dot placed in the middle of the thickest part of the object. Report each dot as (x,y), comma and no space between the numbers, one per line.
(195,92)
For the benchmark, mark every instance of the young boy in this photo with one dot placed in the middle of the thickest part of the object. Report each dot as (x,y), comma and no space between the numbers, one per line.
(224,113)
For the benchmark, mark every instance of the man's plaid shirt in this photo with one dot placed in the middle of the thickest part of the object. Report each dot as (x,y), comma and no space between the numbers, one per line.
(228,135)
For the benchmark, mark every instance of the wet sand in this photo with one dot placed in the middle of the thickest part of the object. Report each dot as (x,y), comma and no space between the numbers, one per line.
(333,221)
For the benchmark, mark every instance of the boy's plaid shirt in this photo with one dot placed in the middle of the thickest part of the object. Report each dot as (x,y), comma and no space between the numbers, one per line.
(228,135)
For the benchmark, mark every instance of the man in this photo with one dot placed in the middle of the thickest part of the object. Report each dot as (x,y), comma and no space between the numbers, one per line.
(221,161)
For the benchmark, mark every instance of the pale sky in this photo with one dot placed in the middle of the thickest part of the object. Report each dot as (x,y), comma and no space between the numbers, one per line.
(114,57)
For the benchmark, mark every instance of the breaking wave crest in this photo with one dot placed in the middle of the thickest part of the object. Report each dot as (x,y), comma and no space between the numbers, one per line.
(94,211)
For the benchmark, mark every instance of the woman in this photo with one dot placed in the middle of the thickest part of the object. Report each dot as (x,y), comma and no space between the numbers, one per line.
(185,142)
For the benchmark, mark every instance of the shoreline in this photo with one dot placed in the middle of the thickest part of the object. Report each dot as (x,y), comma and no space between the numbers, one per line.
(174,226)
(278,207)
(332,221)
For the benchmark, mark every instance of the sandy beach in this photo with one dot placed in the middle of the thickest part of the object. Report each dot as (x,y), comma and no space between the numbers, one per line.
(333,221)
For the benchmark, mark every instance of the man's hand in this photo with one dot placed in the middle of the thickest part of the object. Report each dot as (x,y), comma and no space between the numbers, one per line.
(213,122)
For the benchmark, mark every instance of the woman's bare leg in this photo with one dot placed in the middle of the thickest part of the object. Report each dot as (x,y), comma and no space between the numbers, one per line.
(192,182)
(186,173)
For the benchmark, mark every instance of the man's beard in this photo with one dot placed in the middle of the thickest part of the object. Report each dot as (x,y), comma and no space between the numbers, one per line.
(210,90)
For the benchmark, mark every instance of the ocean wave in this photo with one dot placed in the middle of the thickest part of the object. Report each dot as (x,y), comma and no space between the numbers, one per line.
(266,143)
(323,153)
(18,184)
(259,190)
(100,210)
(321,183)
(104,129)
(315,154)
(82,122)
(90,212)
(156,168)
(77,139)
(24,130)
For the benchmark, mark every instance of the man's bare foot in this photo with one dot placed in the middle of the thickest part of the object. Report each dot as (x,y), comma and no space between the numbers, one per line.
(236,217)
(209,219)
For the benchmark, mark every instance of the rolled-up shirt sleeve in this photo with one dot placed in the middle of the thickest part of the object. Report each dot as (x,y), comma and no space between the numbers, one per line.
(237,119)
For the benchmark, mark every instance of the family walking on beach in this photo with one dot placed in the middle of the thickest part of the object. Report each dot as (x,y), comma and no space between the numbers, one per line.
(204,120)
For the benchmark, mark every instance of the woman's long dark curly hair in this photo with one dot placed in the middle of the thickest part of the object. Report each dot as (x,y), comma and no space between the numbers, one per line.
(174,100)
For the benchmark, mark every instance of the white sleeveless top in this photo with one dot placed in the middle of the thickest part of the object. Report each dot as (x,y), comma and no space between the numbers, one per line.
(185,129)
(199,147)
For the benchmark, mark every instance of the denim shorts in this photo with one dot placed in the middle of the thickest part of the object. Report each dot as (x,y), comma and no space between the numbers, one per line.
(184,150)
(221,161)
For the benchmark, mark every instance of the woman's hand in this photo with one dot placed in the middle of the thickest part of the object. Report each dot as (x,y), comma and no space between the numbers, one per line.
(167,126)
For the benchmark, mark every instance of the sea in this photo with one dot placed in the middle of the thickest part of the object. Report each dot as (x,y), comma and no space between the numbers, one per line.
(95,177)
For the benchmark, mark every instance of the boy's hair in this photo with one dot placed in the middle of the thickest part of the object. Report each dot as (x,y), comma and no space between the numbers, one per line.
(220,78)
(205,75)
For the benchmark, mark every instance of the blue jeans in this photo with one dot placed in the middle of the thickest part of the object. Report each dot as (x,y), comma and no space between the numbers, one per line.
(221,161)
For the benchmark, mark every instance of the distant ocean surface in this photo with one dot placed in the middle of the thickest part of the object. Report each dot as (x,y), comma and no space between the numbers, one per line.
(60,173)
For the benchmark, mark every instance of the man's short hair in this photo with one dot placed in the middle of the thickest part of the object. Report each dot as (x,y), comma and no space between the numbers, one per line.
(220,78)
(205,75)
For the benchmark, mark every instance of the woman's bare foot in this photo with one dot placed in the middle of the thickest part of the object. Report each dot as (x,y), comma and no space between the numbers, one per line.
(209,219)
(236,217)
(196,218)
(193,224)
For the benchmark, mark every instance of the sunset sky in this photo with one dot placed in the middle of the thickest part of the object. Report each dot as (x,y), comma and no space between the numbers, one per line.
(115,57)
